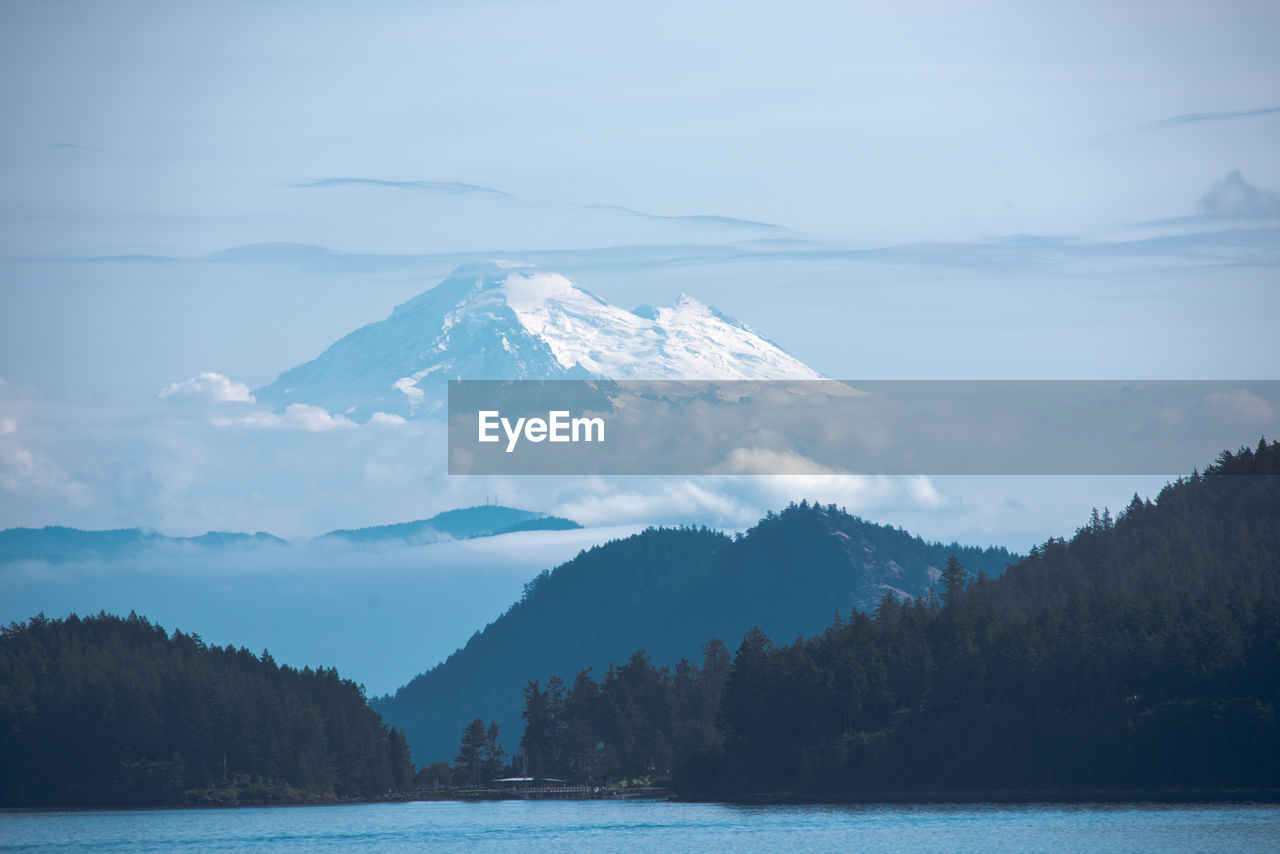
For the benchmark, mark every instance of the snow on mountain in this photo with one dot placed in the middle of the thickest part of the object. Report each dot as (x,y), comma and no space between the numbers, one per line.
(507,321)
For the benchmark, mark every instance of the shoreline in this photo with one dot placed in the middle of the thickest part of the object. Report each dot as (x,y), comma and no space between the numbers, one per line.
(1001,798)
(452,796)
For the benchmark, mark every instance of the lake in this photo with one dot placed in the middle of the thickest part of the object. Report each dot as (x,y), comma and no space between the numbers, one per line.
(646,826)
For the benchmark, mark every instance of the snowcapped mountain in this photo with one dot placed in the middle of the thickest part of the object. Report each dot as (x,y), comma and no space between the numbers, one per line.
(507,321)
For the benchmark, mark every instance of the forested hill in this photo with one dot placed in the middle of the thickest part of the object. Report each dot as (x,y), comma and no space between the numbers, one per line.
(1143,654)
(667,591)
(104,711)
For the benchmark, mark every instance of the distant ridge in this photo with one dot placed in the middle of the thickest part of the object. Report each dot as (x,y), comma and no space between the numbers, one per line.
(58,543)
(465,523)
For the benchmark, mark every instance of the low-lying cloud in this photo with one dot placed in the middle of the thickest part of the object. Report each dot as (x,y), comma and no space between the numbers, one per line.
(300,472)
(296,416)
(210,386)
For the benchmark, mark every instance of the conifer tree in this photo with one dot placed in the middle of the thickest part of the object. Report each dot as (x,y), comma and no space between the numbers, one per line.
(493,754)
(469,763)
(954,579)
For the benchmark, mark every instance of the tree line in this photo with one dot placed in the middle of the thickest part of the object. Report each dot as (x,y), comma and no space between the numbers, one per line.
(105,711)
(667,590)
(1141,654)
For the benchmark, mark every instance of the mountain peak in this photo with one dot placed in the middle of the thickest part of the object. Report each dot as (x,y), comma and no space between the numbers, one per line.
(684,301)
(506,320)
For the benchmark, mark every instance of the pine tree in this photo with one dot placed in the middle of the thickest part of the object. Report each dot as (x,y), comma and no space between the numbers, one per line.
(401,763)
(493,754)
(535,744)
(469,764)
(954,579)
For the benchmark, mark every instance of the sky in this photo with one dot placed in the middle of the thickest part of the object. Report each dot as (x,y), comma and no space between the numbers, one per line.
(186,127)
(977,190)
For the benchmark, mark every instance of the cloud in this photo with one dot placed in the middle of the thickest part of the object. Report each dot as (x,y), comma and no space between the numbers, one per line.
(71,146)
(296,416)
(761,461)
(738,501)
(31,475)
(688,219)
(1239,405)
(663,501)
(456,188)
(25,471)
(1234,196)
(861,493)
(211,386)
(451,187)
(301,471)
(1195,118)
(387,419)
(304,416)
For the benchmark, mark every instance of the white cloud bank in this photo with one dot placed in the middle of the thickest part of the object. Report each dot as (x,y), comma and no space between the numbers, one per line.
(387,419)
(210,386)
(303,471)
(23,470)
(764,461)
(296,416)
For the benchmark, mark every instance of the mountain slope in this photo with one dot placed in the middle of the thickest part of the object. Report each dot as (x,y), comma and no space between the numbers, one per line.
(1141,655)
(505,321)
(668,591)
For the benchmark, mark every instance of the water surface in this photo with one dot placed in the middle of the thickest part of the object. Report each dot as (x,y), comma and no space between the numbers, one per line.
(646,826)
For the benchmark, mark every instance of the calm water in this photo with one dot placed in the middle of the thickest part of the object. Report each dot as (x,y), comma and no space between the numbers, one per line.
(657,826)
